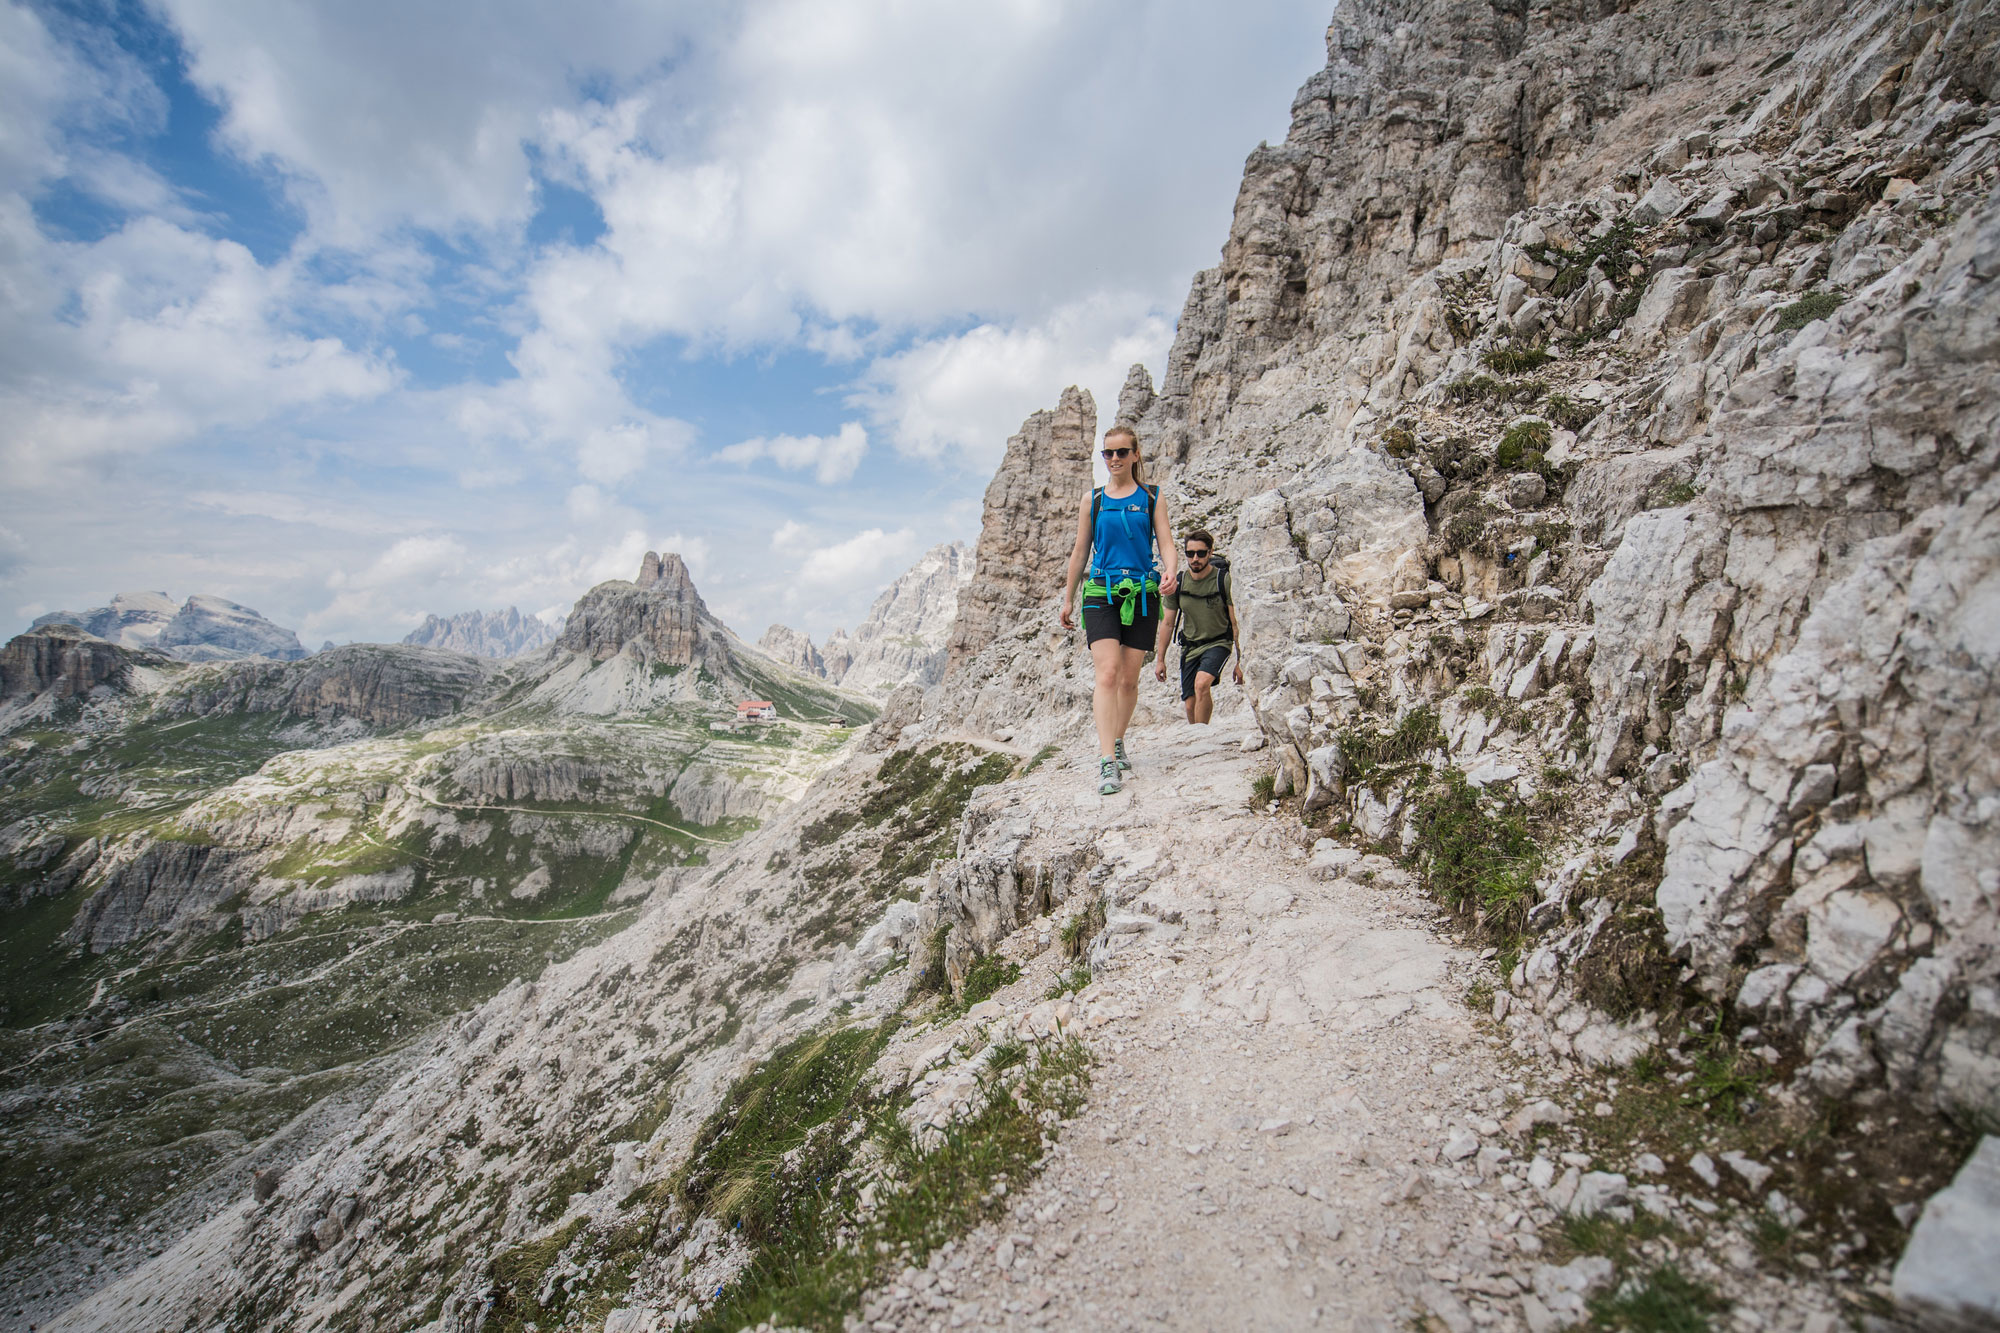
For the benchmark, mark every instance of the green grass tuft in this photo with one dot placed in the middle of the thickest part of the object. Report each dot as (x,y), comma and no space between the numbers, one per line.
(1082,928)
(1807,309)
(1070,982)
(1569,413)
(988,973)
(929,1190)
(1477,854)
(1375,756)
(1516,360)
(1523,445)
(1042,756)
(1663,1300)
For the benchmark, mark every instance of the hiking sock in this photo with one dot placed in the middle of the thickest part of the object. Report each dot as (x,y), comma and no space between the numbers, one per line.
(1118,753)
(1107,775)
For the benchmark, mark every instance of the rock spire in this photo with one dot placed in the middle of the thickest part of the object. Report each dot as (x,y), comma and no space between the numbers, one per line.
(1029,524)
(659,613)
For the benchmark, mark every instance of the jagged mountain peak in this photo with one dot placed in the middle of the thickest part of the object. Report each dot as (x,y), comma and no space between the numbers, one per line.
(795,649)
(499,634)
(902,639)
(658,614)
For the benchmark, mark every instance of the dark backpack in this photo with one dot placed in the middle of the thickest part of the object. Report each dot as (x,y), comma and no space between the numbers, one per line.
(1221,564)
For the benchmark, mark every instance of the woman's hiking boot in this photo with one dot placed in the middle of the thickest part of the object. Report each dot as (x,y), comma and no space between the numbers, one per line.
(1107,776)
(1118,753)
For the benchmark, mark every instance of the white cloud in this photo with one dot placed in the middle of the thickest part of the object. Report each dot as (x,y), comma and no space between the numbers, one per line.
(317,512)
(411,560)
(858,563)
(152,336)
(968,208)
(791,538)
(833,458)
(384,114)
(395,586)
(964,394)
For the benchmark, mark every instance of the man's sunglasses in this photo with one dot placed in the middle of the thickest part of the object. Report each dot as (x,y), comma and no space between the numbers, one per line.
(1196,553)
(1116,453)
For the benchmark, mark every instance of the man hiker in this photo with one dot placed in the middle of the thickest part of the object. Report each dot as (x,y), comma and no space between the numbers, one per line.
(1207,617)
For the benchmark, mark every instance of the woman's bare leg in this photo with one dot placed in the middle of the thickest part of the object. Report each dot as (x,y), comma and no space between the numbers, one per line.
(1131,661)
(1107,699)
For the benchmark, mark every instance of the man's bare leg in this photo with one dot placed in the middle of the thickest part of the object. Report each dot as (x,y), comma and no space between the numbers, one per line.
(1202,706)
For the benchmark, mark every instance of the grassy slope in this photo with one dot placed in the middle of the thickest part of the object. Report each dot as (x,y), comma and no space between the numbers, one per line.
(195,1048)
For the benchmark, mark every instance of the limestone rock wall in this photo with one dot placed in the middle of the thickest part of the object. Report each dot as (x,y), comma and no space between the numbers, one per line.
(660,613)
(131,619)
(901,642)
(905,636)
(794,649)
(379,685)
(1612,382)
(61,659)
(215,629)
(1029,523)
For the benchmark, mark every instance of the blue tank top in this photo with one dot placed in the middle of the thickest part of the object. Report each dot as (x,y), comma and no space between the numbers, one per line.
(1122,543)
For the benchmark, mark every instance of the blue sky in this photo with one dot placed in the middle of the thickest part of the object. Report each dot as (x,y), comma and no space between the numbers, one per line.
(357,311)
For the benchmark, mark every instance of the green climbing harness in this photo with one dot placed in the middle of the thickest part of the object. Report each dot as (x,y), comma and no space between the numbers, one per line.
(1131,594)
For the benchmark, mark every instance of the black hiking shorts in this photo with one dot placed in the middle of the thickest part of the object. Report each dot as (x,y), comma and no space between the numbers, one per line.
(1210,659)
(1100,621)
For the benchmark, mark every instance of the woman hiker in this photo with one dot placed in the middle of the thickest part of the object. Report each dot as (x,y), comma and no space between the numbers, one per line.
(1116,529)
(1208,626)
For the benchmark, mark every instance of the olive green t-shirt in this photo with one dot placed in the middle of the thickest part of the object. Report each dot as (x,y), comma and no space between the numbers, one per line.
(1204,613)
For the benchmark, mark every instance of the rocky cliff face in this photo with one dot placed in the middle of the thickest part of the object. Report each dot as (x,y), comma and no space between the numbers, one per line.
(201,629)
(1029,523)
(484,633)
(215,629)
(132,620)
(378,685)
(60,662)
(659,615)
(902,642)
(794,649)
(1608,387)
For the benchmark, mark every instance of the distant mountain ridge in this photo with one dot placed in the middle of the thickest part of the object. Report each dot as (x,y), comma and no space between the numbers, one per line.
(500,634)
(902,641)
(202,629)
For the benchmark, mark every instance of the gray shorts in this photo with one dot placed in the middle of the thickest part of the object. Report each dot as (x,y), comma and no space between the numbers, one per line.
(1210,659)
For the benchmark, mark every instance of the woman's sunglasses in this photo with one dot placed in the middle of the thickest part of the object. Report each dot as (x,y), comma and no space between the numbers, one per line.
(1116,453)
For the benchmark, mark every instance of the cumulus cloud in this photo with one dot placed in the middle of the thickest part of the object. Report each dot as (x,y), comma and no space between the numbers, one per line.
(859,563)
(832,458)
(965,393)
(950,212)
(410,560)
(151,336)
(383,115)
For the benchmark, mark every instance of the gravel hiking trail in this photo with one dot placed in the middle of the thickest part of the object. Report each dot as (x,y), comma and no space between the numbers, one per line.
(1281,1059)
